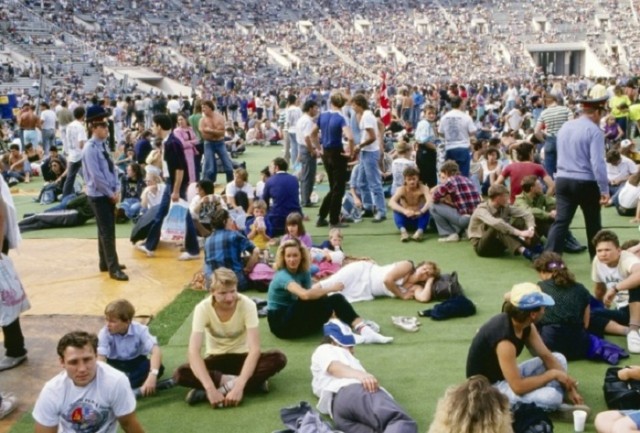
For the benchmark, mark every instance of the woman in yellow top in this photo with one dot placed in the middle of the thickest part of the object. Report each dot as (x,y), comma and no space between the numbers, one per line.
(228,323)
(619,104)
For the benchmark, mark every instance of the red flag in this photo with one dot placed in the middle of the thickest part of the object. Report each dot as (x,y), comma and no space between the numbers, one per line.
(385,106)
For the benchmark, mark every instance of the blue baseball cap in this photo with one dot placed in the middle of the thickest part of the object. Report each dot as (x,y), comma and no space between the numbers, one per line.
(339,332)
(529,296)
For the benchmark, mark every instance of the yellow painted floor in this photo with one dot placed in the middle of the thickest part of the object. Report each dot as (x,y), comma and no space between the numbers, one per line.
(67,291)
(61,276)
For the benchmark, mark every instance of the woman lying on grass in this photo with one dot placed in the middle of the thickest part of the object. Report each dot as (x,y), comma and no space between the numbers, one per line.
(365,280)
(295,309)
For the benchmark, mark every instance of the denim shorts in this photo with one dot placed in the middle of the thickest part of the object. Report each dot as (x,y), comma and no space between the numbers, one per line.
(634,415)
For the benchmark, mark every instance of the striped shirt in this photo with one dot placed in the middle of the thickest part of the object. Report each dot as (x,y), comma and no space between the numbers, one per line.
(553,118)
(462,191)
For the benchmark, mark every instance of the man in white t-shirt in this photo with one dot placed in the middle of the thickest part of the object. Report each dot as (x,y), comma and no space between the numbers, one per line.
(48,121)
(307,152)
(87,396)
(351,396)
(173,105)
(293,113)
(371,150)
(457,126)
(239,192)
(616,275)
(76,138)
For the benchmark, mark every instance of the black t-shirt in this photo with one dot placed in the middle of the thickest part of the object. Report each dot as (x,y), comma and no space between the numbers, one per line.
(482,358)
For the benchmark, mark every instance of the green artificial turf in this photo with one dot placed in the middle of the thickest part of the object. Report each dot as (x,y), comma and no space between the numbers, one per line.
(416,368)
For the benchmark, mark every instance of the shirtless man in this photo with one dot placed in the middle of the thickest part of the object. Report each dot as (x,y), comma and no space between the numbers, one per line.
(16,164)
(212,130)
(28,121)
(410,204)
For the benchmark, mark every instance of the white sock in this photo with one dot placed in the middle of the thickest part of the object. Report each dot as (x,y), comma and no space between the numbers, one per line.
(370,336)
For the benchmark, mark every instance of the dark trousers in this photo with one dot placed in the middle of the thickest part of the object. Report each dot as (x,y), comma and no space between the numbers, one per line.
(104,210)
(426,160)
(153,238)
(570,194)
(336,166)
(13,339)
(74,168)
(571,340)
(269,363)
(494,243)
(356,410)
(136,369)
(304,318)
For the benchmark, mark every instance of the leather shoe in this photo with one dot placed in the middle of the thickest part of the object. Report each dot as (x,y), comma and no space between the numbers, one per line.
(119,276)
(122,268)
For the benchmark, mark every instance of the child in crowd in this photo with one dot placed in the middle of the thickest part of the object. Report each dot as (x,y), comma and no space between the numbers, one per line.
(152,194)
(257,227)
(129,347)
(264,175)
(203,205)
(296,230)
(330,250)
(410,206)
(131,186)
(15,168)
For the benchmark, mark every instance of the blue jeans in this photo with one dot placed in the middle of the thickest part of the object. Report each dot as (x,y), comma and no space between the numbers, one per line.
(418,223)
(153,238)
(211,149)
(48,140)
(550,156)
(462,156)
(131,207)
(548,397)
(373,180)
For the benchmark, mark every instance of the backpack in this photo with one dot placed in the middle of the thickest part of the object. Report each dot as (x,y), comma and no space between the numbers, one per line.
(529,418)
(620,394)
(446,286)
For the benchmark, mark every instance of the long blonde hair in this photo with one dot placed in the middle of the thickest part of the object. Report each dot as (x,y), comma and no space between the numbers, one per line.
(305,261)
(472,407)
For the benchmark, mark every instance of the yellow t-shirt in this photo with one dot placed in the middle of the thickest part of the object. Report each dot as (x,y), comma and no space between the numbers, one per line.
(615,102)
(634,112)
(229,336)
(260,240)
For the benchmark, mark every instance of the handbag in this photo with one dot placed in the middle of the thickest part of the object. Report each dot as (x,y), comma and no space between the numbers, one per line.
(13,299)
(620,394)
(446,286)
(174,227)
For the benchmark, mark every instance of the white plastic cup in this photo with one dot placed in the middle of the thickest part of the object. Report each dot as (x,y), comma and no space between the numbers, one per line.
(579,419)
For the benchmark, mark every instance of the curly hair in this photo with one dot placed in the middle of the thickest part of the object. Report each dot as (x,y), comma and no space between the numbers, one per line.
(305,260)
(472,407)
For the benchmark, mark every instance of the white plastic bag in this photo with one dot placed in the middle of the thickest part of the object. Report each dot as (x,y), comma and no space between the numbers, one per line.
(174,226)
(13,299)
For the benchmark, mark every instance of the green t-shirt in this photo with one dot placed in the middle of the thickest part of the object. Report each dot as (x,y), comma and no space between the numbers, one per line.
(279,297)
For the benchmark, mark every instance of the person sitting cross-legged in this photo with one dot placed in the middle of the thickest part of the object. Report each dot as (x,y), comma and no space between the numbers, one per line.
(492,228)
(410,204)
(542,380)
(227,323)
(454,200)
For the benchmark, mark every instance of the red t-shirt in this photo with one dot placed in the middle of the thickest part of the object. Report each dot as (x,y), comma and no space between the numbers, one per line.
(519,170)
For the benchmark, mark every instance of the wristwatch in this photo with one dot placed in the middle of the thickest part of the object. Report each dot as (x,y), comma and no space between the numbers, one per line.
(154,371)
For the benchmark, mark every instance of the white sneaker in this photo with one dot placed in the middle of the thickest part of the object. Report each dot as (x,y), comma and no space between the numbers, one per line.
(143,248)
(373,325)
(409,324)
(633,342)
(186,256)
(8,405)
(453,237)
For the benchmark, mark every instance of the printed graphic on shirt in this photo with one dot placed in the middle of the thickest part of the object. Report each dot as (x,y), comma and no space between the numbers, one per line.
(85,416)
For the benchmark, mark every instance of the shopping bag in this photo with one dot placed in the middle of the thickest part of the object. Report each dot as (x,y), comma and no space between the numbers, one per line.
(13,299)
(174,226)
